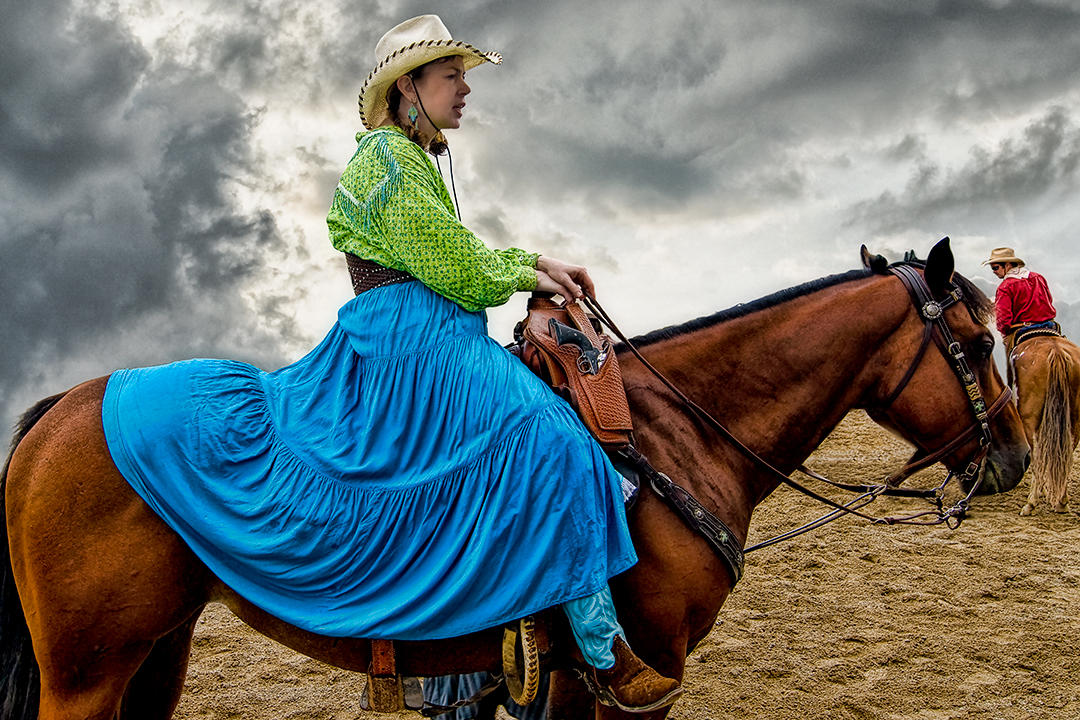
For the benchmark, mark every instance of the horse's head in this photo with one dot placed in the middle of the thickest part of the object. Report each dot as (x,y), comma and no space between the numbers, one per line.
(939,388)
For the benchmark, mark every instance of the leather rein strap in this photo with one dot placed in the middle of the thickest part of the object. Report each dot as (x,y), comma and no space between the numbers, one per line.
(723,540)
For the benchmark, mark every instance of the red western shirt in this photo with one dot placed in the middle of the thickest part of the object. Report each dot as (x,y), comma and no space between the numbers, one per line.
(1022,300)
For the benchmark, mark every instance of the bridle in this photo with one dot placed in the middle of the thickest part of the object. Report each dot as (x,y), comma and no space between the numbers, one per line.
(936,328)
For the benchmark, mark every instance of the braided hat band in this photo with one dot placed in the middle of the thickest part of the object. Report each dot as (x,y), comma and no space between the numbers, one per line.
(404,48)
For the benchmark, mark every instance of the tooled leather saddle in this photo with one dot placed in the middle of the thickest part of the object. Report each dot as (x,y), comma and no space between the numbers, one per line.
(558,342)
(564,346)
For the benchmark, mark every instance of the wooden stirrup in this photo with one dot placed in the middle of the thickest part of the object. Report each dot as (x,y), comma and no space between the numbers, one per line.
(386,692)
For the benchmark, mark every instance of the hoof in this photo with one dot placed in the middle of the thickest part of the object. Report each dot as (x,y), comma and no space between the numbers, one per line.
(1059,508)
(1026,510)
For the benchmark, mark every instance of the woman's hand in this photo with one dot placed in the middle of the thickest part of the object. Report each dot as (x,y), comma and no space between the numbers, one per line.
(570,281)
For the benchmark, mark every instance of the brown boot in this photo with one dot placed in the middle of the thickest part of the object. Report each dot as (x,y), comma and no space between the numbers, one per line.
(633,686)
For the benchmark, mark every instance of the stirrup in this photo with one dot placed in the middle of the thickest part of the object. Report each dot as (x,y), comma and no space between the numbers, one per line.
(412,694)
(386,691)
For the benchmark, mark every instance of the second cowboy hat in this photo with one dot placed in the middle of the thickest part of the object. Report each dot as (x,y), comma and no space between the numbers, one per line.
(1002,255)
(413,43)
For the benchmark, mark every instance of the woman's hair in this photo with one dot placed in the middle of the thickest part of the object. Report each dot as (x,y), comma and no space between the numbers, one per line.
(437,146)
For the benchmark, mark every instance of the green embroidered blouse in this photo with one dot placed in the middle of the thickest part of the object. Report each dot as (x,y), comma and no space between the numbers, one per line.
(392,206)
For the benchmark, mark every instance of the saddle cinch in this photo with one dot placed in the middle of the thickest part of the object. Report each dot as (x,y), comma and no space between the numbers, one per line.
(565,347)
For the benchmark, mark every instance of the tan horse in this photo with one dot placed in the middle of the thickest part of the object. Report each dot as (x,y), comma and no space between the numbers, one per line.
(1047,372)
(108,594)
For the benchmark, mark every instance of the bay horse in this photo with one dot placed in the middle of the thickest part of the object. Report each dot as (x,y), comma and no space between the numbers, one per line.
(108,595)
(1047,372)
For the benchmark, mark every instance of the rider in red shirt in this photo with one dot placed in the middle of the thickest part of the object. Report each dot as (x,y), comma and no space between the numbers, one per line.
(1023,299)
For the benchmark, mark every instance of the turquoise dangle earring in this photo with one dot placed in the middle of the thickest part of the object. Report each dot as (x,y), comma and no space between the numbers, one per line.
(413,114)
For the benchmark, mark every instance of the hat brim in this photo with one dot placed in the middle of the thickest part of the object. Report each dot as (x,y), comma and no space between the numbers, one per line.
(372,100)
(994,261)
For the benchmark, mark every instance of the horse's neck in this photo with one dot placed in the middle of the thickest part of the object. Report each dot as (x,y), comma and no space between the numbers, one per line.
(779,379)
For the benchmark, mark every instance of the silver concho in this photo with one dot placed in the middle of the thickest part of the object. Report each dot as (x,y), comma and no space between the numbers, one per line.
(931,310)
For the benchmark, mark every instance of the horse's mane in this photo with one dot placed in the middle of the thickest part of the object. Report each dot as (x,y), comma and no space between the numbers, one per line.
(977,302)
(981,306)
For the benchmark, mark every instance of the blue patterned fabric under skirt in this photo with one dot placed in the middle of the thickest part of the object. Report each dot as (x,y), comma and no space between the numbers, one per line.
(407,479)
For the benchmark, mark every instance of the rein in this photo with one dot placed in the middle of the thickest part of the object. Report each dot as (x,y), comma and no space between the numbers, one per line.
(936,328)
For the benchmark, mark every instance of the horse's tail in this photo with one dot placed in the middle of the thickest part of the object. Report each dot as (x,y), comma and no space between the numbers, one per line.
(19,675)
(1053,444)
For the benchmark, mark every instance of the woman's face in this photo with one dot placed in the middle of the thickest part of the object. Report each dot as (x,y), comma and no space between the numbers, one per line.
(442,90)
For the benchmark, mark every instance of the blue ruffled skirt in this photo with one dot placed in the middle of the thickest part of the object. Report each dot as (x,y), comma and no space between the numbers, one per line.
(407,479)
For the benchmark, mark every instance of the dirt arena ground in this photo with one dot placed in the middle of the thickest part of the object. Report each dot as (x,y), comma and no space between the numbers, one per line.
(852,621)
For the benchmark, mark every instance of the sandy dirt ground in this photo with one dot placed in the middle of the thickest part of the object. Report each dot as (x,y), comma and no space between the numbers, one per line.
(852,621)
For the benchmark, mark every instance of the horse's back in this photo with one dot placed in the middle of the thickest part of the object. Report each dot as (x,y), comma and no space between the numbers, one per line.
(60,467)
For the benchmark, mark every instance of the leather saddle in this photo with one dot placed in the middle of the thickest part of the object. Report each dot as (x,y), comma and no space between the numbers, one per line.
(1027,332)
(564,346)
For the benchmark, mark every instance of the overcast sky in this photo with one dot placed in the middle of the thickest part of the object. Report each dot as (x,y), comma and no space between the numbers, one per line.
(166,166)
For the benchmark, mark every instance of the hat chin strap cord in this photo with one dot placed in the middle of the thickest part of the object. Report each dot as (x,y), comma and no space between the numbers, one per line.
(449,155)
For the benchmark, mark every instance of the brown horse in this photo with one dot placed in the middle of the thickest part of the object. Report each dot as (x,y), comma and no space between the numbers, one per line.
(109,595)
(1047,372)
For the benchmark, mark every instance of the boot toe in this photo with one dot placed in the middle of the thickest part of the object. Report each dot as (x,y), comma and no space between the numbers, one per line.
(647,691)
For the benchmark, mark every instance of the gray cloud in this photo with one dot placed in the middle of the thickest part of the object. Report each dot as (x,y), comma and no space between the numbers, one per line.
(138,221)
(579,103)
(118,220)
(1043,158)
(60,96)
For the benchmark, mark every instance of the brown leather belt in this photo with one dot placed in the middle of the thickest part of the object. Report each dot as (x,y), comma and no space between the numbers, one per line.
(368,275)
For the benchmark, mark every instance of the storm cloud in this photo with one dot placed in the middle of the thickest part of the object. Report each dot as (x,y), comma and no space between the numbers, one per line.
(122,240)
(166,166)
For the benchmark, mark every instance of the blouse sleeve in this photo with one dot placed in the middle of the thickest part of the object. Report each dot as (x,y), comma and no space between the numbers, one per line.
(406,212)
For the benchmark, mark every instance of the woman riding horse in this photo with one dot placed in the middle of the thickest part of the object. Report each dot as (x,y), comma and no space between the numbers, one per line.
(475,494)
(99,596)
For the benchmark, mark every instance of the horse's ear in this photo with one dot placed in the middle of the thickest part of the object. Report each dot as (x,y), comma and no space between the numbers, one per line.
(939,267)
(873,263)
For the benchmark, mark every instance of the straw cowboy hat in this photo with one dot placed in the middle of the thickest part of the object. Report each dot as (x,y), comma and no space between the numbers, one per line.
(406,47)
(1003,255)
